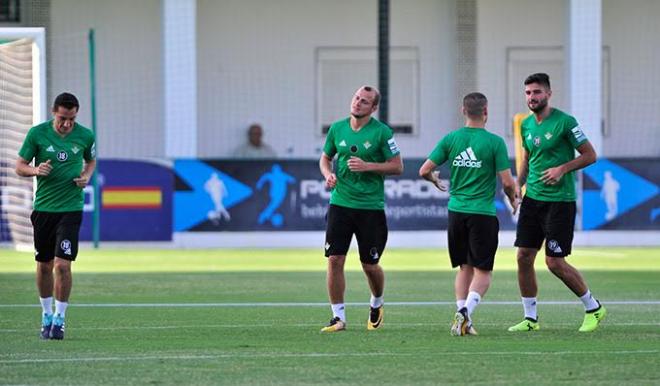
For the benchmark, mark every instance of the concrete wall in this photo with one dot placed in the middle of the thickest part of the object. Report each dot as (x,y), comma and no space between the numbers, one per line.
(129,70)
(630,33)
(257,63)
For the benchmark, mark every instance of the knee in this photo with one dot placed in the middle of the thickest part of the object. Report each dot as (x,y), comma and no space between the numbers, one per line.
(336,262)
(368,268)
(63,268)
(555,265)
(45,268)
(525,258)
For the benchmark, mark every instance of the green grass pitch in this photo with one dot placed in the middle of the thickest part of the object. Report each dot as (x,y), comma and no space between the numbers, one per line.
(141,317)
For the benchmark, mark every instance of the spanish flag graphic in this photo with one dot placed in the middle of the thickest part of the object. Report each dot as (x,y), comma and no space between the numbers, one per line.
(131,197)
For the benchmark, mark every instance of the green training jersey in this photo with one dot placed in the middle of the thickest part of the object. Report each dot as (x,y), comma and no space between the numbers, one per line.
(57,192)
(476,157)
(372,143)
(551,143)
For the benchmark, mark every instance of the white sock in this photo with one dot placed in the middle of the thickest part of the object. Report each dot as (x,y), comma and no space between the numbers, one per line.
(47,305)
(529,304)
(376,302)
(460,303)
(338,310)
(589,302)
(472,302)
(60,307)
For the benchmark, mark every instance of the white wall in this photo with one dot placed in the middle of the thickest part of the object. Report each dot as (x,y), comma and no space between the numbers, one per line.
(630,30)
(257,63)
(129,70)
(511,23)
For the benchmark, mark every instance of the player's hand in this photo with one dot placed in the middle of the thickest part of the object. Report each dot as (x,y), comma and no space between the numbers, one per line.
(44,169)
(81,181)
(552,176)
(356,164)
(515,204)
(331,181)
(438,184)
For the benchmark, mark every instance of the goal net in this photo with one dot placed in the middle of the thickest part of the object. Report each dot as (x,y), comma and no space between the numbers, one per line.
(22,105)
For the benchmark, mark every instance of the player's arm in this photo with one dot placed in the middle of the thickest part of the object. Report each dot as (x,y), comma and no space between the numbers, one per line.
(587,157)
(24,169)
(325,165)
(522,169)
(86,174)
(510,188)
(427,172)
(393,166)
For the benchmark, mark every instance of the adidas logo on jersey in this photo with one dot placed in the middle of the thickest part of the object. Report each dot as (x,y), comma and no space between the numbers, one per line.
(467,159)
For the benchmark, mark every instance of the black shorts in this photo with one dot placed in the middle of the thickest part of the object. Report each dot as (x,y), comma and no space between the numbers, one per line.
(56,234)
(552,221)
(472,239)
(369,227)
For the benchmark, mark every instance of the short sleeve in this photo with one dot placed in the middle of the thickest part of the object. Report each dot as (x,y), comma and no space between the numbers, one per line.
(573,132)
(441,151)
(523,142)
(90,151)
(329,148)
(388,144)
(29,148)
(501,156)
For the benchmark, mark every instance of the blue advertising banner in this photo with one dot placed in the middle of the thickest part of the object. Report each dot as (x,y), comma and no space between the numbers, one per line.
(622,194)
(136,201)
(287,195)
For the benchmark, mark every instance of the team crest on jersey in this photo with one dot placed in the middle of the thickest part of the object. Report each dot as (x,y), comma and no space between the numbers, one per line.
(62,156)
(75,149)
(65,245)
(537,141)
(367,145)
(548,135)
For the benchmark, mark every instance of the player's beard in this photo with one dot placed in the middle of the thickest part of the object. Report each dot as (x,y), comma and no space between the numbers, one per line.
(540,105)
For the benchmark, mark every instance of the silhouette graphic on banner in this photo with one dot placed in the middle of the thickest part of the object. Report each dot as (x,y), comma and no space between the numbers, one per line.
(278,181)
(620,191)
(218,191)
(609,193)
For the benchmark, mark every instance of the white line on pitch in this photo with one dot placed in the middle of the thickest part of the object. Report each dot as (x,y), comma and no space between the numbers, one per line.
(271,325)
(306,304)
(258,355)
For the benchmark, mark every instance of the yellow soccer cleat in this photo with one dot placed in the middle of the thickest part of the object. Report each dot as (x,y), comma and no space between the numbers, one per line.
(526,325)
(375,318)
(459,326)
(471,330)
(335,325)
(592,319)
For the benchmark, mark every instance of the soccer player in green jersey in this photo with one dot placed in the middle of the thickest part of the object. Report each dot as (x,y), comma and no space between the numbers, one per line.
(477,158)
(549,140)
(64,159)
(366,152)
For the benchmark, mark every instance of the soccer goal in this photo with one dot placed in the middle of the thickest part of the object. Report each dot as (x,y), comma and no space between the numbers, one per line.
(22,105)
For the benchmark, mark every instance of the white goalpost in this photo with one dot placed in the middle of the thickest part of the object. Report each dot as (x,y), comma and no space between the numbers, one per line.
(22,105)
